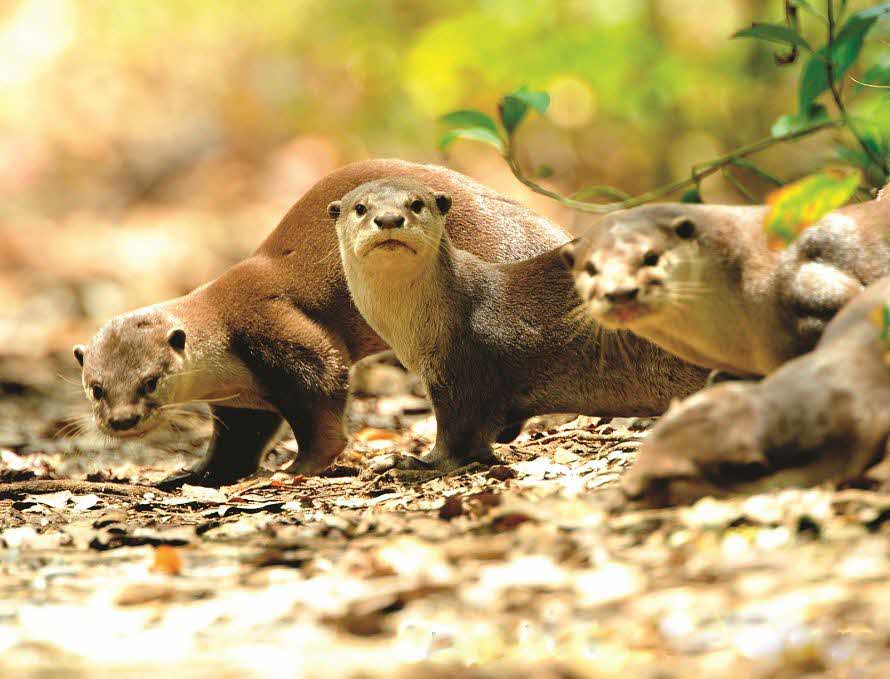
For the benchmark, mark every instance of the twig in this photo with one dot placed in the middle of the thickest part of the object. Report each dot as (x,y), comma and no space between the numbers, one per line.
(55,485)
(838,100)
(699,172)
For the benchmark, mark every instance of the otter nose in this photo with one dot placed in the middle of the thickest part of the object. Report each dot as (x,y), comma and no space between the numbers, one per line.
(389,221)
(622,296)
(123,423)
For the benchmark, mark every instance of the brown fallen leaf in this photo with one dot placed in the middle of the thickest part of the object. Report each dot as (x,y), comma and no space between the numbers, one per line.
(452,507)
(501,472)
(166,560)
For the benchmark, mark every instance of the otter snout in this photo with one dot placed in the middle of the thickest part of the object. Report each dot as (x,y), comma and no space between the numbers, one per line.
(389,220)
(622,295)
(123,421)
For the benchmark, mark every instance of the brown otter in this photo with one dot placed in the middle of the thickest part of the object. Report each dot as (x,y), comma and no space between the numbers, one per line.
(701,281)
(272,338)
(829,264)
(494,343)
(824,416)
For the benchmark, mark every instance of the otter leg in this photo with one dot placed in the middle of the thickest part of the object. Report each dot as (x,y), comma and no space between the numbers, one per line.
(510,432)
(318,428)
(240,438)
(465,430)
(304,375)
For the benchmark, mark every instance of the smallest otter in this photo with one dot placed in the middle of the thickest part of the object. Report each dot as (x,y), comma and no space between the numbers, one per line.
(824,416)
(494,343)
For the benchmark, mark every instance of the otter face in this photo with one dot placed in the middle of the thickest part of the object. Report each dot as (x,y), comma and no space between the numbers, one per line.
(389,224)
(634,266)
(128,369)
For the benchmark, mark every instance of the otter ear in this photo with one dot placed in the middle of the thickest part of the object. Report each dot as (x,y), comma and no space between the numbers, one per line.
(176,339)
(334,209)
(79,350)
(567,255)
(443,202)
(683,227)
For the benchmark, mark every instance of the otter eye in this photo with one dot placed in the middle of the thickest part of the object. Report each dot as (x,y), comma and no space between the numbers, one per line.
(150,385)
(97,392)
(360,209)
(650,259)
(684,228)
(591,269)
(416,205)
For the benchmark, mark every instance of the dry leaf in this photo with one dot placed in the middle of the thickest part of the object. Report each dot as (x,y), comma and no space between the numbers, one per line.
(166,560)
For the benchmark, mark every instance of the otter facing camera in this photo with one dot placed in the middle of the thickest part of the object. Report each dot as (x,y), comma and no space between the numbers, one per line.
(78,353)
(443,202)
(176,339)
(334,209)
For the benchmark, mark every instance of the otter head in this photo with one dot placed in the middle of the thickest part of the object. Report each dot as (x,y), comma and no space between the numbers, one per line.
(390,225)
(127,371)
(635,264)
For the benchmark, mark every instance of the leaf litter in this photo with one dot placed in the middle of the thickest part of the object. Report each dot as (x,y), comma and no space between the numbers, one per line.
(533,566)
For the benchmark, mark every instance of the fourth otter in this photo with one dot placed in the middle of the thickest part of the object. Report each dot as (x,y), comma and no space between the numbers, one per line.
(494,343)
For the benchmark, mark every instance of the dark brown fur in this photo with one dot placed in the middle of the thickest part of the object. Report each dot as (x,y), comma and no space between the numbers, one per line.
(285,315)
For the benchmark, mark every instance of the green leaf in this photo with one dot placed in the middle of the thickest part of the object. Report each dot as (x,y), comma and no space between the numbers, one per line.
(469,118)
(875,78)
(798,205)
(691,196)
(514,107)
(600,190)
(846,48)
(776,33)
(482,134)
(795,122)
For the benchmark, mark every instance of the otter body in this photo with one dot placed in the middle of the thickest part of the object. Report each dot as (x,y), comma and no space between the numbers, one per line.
(494,343)
(271,340)
(829,264)
(702,282)
(824,416)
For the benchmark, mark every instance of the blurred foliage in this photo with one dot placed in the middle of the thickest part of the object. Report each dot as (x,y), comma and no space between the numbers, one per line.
(146,145)
(792,209)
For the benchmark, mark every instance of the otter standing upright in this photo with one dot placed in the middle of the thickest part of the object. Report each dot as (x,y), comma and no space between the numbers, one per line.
(494,343)
(272,338)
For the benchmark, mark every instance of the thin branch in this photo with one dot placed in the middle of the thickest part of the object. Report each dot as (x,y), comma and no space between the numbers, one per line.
(16,488)
(699,172)
(737,185)
(838,100)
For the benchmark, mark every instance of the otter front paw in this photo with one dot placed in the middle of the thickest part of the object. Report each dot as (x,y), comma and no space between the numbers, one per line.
(384,463)
(197,477)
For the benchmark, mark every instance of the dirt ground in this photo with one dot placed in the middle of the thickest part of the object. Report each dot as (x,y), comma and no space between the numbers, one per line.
(530,568)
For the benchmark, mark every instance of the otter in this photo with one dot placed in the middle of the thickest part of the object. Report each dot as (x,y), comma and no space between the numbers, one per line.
(271,339)
(824,416)
(689,278)
(702,282)
(494,343)
(829,264)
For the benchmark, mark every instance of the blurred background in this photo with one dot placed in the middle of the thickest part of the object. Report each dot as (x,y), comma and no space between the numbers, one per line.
(145,146)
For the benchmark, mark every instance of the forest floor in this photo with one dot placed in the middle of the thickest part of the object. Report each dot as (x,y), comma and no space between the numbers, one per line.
(531,568)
